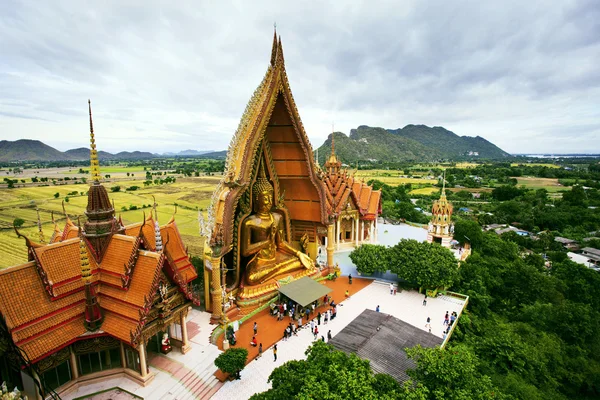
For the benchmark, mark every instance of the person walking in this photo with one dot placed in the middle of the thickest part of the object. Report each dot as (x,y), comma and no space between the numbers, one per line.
(391,288)
(447,319)
(255,328)
(312,326)
(328,336)
(425,300)
(428,324)
(377,309)
(316,332)
(349,279)
(325,317)
(259,351)
(274,353)
(319,318)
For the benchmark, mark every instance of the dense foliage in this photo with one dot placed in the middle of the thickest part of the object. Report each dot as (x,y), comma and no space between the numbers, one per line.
(331,374)
(423,264)
(534,329)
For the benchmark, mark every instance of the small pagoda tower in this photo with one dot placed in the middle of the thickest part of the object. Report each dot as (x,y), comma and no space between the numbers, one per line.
(101,223)
(440,229)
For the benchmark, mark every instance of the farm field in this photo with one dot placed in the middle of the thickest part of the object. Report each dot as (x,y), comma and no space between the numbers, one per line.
(535,165)
(550,184)
(391,177)
(191,194)
(425,190)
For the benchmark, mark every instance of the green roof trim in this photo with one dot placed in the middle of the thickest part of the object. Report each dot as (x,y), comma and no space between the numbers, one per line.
(304,291)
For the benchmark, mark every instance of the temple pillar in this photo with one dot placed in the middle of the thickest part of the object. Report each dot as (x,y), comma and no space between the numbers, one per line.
(356,231)
(142,354)
(375,229)
(73,364)
(122,352)
(215,291)
(185,344)
(338,233)
(370,231)
(361,229)
(330,248)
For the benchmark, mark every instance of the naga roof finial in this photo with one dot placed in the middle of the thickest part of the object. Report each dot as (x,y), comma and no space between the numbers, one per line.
(39,223)
(94,164)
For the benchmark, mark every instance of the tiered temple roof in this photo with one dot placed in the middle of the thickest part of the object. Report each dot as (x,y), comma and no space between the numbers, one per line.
(44,300)
(342,187)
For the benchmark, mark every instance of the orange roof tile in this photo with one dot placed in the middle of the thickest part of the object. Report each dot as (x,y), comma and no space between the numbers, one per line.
(61,260)
(374,201)
(23,297)
(50,340)
(146,266)
(176,251)
(118,327)
(118,253)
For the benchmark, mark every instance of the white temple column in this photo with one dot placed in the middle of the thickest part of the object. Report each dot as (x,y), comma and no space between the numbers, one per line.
(73,364)
(356,231)
(142,353)
(185,344)
(375,230)
(371,232)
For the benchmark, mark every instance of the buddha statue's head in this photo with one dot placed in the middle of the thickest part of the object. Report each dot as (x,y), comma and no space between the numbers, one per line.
(262,193)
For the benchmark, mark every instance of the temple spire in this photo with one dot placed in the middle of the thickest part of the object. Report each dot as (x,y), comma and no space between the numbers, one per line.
(101,223)
(94,164)
(274,49)
(444,183)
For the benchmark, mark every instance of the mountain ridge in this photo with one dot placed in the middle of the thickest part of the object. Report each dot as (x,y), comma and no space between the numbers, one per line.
(411,143)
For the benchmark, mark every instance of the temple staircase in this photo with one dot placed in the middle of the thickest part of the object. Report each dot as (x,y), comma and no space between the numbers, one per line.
(198,382)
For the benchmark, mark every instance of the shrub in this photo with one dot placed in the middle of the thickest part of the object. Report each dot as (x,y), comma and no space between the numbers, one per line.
(115,189)
(232,361)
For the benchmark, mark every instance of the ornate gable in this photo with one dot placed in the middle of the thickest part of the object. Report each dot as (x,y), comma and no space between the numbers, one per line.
(271,116)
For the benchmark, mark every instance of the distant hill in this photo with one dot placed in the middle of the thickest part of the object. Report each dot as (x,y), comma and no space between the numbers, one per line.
(34,150)
(411,143)
(29,150)
(83,153)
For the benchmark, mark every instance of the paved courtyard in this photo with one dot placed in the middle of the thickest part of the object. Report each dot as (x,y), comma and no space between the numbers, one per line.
(406,306)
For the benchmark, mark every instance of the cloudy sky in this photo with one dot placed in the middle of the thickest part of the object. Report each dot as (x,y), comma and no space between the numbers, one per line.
(175,75)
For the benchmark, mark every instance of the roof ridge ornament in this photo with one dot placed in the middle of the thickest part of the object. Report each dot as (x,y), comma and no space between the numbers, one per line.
(274,49)
(94,164)
(39,224)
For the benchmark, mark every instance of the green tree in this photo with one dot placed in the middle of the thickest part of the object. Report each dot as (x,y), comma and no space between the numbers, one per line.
(468,231)
(232,361)
(452,373)
(370,258)
(428,265)
(18,222)
(116,188)
(332,374)
(56,195)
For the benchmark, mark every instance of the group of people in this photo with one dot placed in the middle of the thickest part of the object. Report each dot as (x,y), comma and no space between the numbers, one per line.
(254,342)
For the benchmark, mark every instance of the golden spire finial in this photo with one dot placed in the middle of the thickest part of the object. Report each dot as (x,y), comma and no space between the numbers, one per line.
(94,164)
(86,270)
(154,208)
(444,183)
(39,223)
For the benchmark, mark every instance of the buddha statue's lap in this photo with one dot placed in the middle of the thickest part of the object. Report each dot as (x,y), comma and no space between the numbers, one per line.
(262,239)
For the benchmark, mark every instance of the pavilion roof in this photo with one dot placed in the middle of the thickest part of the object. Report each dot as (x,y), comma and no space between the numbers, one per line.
(43,300)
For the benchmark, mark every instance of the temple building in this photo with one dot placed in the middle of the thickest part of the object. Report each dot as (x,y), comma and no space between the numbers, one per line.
(440,229)
(353,205)
(92,301)
(269,213)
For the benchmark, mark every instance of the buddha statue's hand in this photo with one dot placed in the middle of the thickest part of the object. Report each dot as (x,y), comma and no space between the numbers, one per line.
(305,260)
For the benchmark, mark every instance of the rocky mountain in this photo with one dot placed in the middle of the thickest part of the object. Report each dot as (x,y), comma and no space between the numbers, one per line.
(411,143)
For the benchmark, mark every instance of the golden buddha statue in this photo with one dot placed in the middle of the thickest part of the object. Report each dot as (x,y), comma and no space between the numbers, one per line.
(262,238)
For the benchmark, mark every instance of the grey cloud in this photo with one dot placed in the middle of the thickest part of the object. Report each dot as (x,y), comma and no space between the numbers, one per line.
(506,69)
